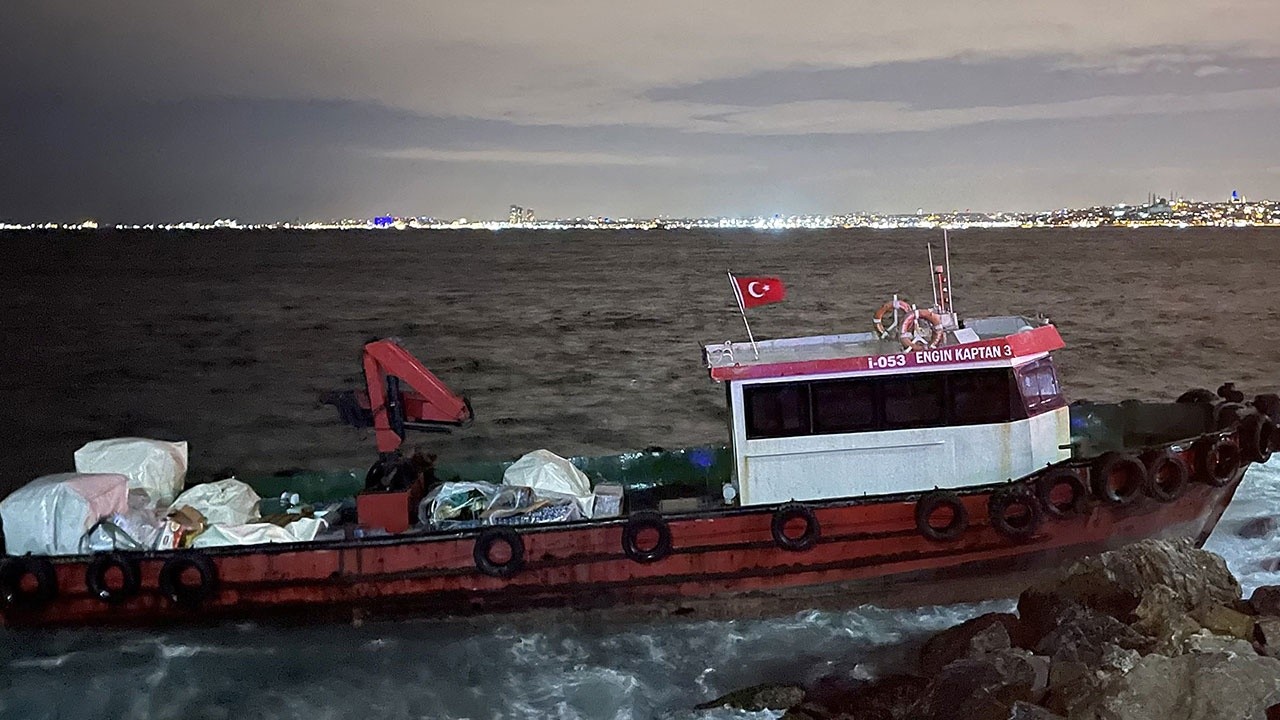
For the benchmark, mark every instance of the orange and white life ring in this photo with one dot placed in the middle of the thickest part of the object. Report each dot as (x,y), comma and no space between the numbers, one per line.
(908,338)
(885,309)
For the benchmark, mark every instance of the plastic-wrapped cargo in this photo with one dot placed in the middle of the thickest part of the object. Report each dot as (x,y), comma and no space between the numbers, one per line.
(551,477)
(300,530)
(137,529)
(224,502)
(49,515)
(156,466)
(453,503)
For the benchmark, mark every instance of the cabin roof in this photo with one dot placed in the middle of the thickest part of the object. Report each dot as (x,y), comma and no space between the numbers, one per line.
(1002,341)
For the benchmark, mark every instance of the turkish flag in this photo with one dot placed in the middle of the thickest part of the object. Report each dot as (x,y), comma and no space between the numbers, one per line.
(753,291)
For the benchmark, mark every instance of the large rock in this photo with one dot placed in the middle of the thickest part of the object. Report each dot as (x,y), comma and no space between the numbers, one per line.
(1197,686)
(1084,635)
(1162,615)
(982,688)
(1207,642)
(1072,684)
(1225,621)
(1040,609)
(758,697)
(1266,600)
(1152,585)
(983,634)
(1257,528)
(890,698)
(1268,635)
(1117,582)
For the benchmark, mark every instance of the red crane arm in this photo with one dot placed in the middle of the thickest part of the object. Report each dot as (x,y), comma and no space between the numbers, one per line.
(428,401)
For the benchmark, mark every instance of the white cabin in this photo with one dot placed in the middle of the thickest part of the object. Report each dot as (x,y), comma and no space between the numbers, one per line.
(853,415)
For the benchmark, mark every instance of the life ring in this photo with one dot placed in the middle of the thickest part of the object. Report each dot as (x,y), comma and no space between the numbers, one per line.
(1020,524)
(1061,492)
(909,340)
(1217,461)
(885,309)
(483,552)
(1167,475)
(933,502)
(173,579)
(95,577)
(14,570)
(639,523)
(1256,438)
(784,515)
(1117,477)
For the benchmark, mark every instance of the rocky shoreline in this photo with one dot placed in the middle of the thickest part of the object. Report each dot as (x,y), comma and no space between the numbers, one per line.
(1152,631)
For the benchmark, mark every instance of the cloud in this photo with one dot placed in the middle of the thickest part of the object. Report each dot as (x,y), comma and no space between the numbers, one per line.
(569,62)
(346,106)
(850,117)
(1211,70)
(537,157)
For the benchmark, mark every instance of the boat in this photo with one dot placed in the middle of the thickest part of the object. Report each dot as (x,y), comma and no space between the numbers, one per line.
(930,459)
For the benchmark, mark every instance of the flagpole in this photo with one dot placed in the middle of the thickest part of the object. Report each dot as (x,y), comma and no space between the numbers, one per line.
(737,294)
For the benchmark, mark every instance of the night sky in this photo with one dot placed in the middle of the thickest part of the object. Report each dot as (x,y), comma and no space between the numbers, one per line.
(130,111)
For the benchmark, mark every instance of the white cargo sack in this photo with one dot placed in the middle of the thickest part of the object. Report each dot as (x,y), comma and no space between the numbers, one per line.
(156,466)
(49,515)
(551,476)
(300,530)
(225,502)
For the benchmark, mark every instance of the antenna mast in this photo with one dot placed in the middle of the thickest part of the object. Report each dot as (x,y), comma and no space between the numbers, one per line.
(946,249)
(936,299)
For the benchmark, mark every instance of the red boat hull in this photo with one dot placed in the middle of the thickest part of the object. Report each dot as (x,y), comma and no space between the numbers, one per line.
(868,550)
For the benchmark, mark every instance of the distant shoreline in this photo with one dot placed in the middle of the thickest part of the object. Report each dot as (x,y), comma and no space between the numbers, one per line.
(569,227)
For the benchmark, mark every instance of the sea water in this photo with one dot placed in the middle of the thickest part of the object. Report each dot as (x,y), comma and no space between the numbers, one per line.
(499,668)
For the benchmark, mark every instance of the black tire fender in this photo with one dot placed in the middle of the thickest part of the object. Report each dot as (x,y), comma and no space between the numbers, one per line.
(1198,395)
(95,577)
(1257,432)
(13,570)
(1167,475)
(639,523)
(787,513)
(482,553)
(1268,404)
(1111,465)
(1010,526)
(1047,488)
(174,586)
(1217,461)
(927,505)
(1227,414)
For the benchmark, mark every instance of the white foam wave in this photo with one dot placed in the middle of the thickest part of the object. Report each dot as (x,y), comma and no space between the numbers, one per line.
(1257,497)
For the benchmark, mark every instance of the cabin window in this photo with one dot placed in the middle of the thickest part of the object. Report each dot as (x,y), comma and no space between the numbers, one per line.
(777,410)
(1038,382)
(841,406)
(981,397)
(912,401)
(898,402)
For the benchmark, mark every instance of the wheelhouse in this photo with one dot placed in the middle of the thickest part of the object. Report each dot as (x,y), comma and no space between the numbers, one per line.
(849,415)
